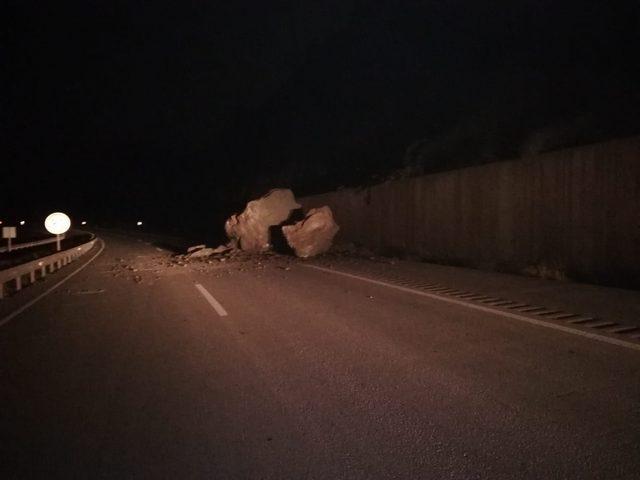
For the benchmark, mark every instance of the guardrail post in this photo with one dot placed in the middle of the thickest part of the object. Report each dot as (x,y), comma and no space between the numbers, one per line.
(42,266)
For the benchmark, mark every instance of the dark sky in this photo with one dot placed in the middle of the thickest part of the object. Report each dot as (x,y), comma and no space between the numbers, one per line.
(162,109)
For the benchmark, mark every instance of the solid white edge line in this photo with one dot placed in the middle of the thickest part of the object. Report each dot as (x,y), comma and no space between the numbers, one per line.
(212,301)
(514,316)
(17,312)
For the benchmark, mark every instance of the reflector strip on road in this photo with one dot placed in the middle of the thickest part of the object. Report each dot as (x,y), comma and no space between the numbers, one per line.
(624,329)
(212,301)
(484,308)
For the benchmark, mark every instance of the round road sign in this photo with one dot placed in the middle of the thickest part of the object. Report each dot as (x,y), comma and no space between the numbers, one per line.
(57,223)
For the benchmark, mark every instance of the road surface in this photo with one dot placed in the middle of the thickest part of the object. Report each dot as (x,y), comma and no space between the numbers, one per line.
(267,369)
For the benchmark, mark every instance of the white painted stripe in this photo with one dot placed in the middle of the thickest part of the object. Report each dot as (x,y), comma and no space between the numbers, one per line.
(17,312)
(212,301)
(482,308)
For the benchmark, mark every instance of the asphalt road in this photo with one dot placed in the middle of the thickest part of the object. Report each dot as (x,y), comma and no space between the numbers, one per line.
(273,370)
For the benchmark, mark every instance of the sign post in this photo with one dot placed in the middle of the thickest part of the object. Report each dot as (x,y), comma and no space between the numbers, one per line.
(8,233)
(57,223)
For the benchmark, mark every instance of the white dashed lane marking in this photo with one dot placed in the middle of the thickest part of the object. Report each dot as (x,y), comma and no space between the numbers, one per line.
(212,301)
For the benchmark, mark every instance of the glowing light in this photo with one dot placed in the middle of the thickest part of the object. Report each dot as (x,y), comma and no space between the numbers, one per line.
(22,222)
(57,223)
(83,222)
(138,223)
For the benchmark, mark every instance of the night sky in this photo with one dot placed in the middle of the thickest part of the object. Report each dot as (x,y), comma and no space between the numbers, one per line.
(178,112)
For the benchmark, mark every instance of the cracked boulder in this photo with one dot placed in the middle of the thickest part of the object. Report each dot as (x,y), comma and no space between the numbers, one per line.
(251,229)
(312,235)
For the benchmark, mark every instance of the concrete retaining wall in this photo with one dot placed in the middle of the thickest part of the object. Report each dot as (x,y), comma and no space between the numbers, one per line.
(575,211)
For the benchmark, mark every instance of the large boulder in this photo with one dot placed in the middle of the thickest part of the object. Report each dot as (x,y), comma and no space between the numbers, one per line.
(314,234)
(250,229)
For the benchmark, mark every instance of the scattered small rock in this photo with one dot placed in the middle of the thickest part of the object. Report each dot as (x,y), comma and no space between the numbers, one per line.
(201,253)
(223,249)
(89,292)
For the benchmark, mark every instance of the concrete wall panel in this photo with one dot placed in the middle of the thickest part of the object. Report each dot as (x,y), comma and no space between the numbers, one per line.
(576,210)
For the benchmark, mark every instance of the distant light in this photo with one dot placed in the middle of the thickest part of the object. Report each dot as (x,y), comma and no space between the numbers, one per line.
(83,222)
(0,222)
(22,222)
(57,223)
(138,223)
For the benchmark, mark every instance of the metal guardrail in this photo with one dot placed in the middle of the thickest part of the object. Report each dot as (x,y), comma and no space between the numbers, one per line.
(37,269)
(19,246)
